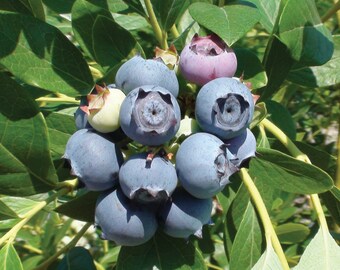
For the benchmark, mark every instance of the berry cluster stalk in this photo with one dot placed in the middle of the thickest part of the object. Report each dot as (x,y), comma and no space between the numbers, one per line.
(270,235)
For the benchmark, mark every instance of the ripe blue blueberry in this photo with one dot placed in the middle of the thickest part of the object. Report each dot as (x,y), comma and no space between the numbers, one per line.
(224,107)
(94,159)
(123,221)
(203,165)
(137,72)
(185,215)
(147,180)
(150,115)
(243,147)
(80,117)
(207,58)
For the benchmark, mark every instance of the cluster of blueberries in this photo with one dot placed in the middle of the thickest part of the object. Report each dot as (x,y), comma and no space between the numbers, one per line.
(145,191)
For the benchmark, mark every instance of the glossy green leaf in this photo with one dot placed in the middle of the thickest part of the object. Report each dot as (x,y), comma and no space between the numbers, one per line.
(269,11)
(249,66)
(246,249)
(6,212)
(169,10)
(319,76)
(9,259)
(26,165)
(60,128)
(36,7)
(15,6)
(230,22)
(290,233)
(84,14)
(78,258)
(289,174)
(39,54)
(269,260)
(136,6)
(161,252)
(301,30)
(130,22)
(19,205)
(117,6)
(108,49)
(282,118)
(81,208)
(60,6)
(277,64)
(321,253)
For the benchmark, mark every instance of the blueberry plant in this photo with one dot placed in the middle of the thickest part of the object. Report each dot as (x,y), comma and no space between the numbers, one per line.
(169,134)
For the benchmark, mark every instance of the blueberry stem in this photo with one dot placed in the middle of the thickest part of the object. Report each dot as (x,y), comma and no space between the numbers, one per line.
(271,237)
(295,152)
(154,23)
(174,31)
(331,12)
(66,248)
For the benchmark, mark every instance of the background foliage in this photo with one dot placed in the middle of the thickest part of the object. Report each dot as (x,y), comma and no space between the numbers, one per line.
(53,52)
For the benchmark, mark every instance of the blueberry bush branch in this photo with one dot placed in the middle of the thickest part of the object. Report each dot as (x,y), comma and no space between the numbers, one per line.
(160,35)
(270,235)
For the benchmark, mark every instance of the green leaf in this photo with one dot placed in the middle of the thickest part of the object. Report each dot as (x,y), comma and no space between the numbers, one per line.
(26,165)
(108,49)
(290,233)
(60,6)
(6,212)
(169,11)
(84,15)
(269,10)
(319,76)
(281,117)
(278,63)
(130,22)
(136,6)
(81,208)
(289,174)
(78,258)
(19,205)
(36,7)
(321,253)
(230,22)
(60,128)
(249,65)
(301,30)
(9,259)
(246,249)
(331,199)
(40,55)
(15,6)
(161,252)
(269,260)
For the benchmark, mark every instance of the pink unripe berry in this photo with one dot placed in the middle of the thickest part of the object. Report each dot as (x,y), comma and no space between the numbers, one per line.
(207,58)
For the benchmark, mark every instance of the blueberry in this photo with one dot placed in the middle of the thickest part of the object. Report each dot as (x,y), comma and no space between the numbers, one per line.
(123,221)
(243,147)
(137,72)
(224,107)
(185,215)
(207,58)
(150,115)
(146,180)
(94,159)
(203,165)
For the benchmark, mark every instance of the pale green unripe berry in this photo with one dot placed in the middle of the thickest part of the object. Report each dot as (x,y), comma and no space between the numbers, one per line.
(106,118)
